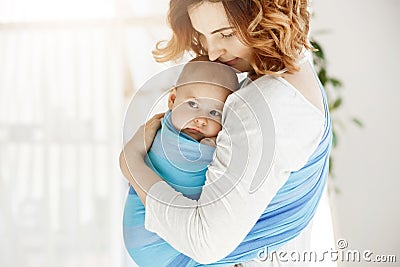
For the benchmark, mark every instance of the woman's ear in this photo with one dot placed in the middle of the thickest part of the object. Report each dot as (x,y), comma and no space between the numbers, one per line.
(172,97)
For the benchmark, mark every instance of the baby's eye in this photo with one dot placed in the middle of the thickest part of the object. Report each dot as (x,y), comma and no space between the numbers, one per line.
(193,104)
(215,113)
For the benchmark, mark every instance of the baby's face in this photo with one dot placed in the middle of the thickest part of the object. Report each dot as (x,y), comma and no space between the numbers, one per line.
(197,109)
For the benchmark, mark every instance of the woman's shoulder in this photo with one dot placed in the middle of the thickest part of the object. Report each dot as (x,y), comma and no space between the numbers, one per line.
(275,88)
(298,125)
(278,94)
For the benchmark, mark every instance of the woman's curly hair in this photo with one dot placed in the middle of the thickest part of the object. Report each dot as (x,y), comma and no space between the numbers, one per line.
(277,30)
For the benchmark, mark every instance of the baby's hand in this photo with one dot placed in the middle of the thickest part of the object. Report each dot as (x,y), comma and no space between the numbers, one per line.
(210,141)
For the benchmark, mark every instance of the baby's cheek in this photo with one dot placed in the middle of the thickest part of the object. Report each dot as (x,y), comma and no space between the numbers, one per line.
(176,121)
(215,127)
(180,119)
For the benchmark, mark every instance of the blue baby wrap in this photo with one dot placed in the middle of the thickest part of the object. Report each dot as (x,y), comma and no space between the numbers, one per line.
(182,162)
(286,216)
(179,159)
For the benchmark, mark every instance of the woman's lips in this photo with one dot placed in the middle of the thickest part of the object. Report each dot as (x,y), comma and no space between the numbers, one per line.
(232,61)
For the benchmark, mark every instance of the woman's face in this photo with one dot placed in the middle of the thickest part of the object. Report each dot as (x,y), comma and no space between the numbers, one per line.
(218,37)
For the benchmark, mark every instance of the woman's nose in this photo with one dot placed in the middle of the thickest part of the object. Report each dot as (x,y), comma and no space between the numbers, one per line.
(214,50)
(200,121)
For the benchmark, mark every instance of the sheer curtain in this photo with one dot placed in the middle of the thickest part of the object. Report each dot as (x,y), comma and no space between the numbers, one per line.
(68,69)
(61,109)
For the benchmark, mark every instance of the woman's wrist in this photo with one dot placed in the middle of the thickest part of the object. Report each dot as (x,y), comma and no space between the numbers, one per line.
(139,175)
(134,158)
(129,160)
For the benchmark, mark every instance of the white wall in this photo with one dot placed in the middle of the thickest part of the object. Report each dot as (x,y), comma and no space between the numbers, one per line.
(363,50)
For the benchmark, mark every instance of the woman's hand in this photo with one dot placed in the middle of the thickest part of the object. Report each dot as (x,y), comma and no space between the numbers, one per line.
(144,136)
(136,148)
(132,157)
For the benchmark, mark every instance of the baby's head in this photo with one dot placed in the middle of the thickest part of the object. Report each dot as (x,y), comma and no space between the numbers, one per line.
(198,98)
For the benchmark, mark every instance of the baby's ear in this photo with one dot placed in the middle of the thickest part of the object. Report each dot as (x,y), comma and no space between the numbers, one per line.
(172,97)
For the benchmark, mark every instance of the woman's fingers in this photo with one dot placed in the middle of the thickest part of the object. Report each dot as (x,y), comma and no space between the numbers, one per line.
(159,115)
(143,138)
(152,125)
(156,117)
(150,130)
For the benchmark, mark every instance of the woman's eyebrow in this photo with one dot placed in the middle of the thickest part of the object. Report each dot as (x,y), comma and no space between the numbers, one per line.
(222,29)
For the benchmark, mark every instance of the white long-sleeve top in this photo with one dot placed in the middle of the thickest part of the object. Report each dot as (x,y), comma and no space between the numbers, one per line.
(270,130)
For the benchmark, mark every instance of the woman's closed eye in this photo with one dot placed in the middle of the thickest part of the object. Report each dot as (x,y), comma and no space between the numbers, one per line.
(227,35)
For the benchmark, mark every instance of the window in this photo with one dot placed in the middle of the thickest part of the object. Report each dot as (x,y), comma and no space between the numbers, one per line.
(68,69)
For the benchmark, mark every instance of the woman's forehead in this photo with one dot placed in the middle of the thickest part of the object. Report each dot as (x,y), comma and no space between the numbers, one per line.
(208,18)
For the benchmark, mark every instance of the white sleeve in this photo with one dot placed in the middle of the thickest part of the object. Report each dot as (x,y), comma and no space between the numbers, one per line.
(255,154)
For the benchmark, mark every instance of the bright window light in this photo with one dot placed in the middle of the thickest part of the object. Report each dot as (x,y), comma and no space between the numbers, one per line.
(14,11)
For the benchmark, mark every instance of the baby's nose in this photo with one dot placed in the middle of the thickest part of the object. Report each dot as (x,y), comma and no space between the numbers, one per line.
(201,121)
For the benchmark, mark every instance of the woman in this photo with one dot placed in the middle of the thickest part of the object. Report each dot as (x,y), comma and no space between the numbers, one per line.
(264,184)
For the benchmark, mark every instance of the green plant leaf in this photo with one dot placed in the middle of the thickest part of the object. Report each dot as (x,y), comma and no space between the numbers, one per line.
(336,104)
(319,53)
(334,139)
(335,82)
(322,76)
(358,122)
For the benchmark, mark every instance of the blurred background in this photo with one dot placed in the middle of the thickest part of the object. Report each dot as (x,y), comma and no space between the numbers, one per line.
(361,41)
(68,70)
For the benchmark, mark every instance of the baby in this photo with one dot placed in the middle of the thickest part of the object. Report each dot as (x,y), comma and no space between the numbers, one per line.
(184,145)
(182,148)
(197,99)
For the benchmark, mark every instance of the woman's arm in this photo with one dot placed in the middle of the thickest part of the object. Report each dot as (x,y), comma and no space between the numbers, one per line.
(134,152)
